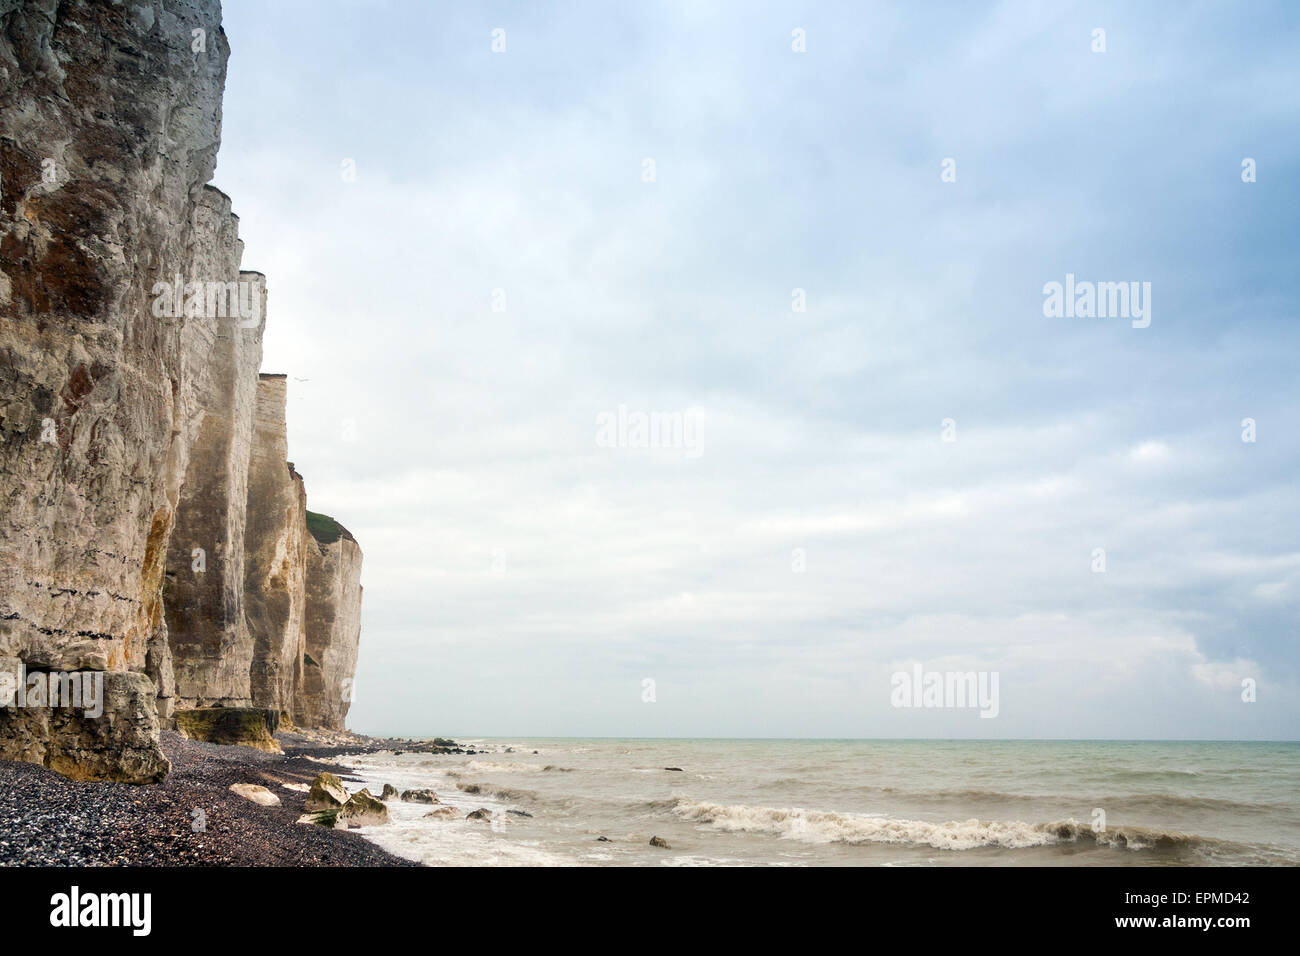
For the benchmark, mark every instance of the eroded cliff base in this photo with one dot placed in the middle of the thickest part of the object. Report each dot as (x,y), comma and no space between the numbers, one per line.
(120,743)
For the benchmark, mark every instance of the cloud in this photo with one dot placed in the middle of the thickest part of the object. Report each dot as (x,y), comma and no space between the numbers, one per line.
(522,578)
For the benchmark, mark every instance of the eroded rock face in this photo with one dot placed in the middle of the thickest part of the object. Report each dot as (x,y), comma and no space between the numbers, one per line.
(109,127)
(211,648)
(275,555)
(116,741)
(333,625)
(151,527)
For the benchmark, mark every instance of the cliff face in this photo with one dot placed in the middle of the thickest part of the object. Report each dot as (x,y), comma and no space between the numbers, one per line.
(333,625)
(211,648)
(150,529)
(275,555)
(109,126)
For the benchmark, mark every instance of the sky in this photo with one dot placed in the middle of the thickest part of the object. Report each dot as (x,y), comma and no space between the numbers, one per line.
(828,268)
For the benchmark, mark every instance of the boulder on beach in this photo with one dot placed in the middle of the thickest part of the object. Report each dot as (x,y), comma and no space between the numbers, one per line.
(242,726)
(324,818)
(389,792)
(363,810)
(443,813)
(519,813)
(419,796)
(660,842)
(327,793)
(482,815)
(257,794)
(678,769)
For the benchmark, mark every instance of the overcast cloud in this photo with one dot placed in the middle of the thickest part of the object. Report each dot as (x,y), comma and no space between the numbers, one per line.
(521,579)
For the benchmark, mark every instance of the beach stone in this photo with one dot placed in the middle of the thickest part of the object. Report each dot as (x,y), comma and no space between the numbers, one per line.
(419,796)
(660,842)
(327,793)
(443,813)
(482,815)
(389,792)
(257,794)
(363,810)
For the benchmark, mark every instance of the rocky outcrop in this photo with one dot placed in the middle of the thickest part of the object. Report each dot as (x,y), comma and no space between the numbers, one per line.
(245,726)
(275,555)
(112,736)
(109,126)
(333,625)
(363,809)
(329,805)
(419,796)
(151,529)
(327,793)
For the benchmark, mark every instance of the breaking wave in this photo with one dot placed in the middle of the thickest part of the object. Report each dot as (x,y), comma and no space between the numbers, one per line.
(819,826)
(486,766)
(492,790)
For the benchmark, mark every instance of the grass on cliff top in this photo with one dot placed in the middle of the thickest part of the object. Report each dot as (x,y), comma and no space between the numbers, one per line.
(325,529)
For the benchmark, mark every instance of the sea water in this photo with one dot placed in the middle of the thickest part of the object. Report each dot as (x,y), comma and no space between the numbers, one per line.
(846,802)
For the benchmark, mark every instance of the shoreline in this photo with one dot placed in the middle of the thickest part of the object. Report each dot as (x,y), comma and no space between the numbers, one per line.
(47,819)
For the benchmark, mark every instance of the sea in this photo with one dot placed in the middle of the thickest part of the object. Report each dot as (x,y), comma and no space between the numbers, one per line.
(549,802)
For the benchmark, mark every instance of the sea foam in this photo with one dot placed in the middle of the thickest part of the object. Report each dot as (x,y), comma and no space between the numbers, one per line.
(820,826)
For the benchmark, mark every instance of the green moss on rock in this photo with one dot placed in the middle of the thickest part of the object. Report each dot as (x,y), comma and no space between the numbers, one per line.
(325,529)
(242,726)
